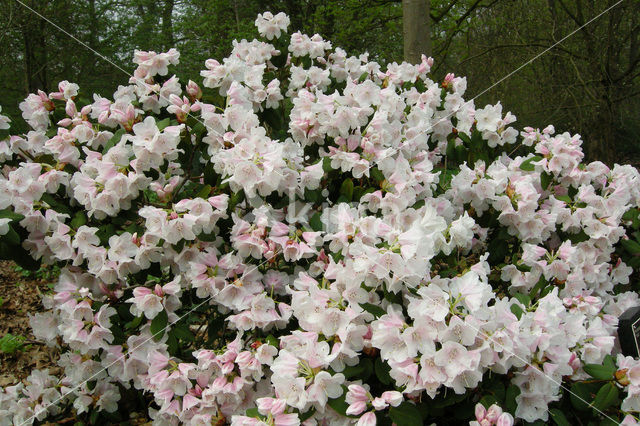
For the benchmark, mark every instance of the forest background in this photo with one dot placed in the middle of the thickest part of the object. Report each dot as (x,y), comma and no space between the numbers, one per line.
(587,84)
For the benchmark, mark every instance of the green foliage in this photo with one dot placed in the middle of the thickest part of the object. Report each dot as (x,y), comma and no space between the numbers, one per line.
(10,344)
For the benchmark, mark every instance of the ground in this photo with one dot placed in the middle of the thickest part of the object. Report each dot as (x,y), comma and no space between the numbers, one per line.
(19,296)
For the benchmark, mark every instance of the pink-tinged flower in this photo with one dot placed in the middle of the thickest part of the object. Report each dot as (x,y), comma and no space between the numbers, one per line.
(367,419)
(147,302)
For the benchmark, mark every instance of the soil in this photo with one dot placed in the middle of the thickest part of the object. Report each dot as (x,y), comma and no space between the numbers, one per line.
(20,296)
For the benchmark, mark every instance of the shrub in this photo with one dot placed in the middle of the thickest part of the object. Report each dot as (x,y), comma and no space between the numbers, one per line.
(311,237)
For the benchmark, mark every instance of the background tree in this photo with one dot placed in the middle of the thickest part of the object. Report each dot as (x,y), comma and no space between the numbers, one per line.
(590,83)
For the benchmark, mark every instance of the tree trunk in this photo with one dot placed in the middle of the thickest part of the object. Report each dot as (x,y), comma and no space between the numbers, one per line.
(167,24)
(416,28)
(35,53)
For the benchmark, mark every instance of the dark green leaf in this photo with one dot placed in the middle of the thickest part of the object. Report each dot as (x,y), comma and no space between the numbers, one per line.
(382,371)
(8,214)
(527,164)
(606,396)
(114,140)
(79,219)
(545,180)
(162,124)
(510,398)
(580,396)
(305,416)
(314,196)
(558,417)
(316,222)
(631,246)
(377,311)
(600,372)
(273,341)
(183,333)
(346,189)
(134,322)
(11,237)
(376,174)
(204,192)
(464,137)
(406,414)
(523,298)
(339,404)
(517,311)
(252,412)
(159,325)
(236,198)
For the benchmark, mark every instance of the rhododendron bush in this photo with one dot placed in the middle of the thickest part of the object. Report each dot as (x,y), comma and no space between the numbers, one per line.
(310,237)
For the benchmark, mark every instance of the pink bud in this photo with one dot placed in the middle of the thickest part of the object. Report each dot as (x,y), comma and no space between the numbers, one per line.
(369,419)
(356,408)
(505,419)
(493,413)
(481,412)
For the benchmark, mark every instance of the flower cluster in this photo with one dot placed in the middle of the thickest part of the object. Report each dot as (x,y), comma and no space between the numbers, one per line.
(316,238)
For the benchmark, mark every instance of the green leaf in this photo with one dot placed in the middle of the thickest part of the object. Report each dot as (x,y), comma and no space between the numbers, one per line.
(610,362)
(93,418)
(579,237)
(105,232)
(488,401)
(631,246)
(527,164)
(346,189)
(183,333)
(8,214)
(12,237)
(600,372)
(405,414)
(382,371)
(339,404)
(464,137)
(273,341)
(545,180)
(564,198)
(362,370)
(377,311)
(558,417)
(204,192)
(376,174)
(316,222)
(236,198)
(305,416)
(580,396)
(314,196)
(326,164)
(79,219)
(523,298)
(630,214)
(159,325)
(510,398)
(517,311)
(162,124)
(134,322)
(252,412)
(114,140)
(606,396)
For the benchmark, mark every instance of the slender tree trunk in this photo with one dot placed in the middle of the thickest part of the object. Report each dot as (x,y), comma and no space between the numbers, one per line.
(416,27)
(35,53)
(167,23)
